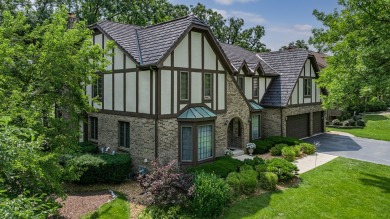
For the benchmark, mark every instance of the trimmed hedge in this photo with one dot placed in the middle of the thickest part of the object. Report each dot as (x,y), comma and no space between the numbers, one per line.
(88,148)
(262,146)
(211,195)
(243,182)
(298,150)
(284,140)
(277,150)
(308,148)
(102,168)
(221,167)
(281,167)
(268,180)
(253,162)
(288,153)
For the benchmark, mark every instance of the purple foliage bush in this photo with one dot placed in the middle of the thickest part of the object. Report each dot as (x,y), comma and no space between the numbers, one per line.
(166,185)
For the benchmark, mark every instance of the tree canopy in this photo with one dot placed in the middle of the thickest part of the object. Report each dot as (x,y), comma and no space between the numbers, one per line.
(358,71)
(297,44)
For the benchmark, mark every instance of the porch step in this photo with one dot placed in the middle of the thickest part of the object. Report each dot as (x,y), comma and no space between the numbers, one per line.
(237,152)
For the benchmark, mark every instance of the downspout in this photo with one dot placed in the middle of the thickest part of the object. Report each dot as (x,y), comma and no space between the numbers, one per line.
(156,141)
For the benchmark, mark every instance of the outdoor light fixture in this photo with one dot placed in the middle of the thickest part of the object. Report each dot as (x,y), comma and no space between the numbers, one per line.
(226,121)
(145,160)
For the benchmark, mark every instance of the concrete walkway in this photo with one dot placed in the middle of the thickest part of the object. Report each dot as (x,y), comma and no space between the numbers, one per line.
(304,164)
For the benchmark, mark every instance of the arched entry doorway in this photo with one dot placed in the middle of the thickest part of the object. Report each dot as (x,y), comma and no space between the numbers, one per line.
(235,133)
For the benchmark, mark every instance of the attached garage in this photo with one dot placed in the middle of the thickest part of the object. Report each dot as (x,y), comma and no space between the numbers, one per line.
(298,126)
(318,122)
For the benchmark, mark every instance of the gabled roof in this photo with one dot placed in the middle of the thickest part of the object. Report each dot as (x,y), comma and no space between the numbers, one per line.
(289,64)
(320,58)
(238,55)
(148,45)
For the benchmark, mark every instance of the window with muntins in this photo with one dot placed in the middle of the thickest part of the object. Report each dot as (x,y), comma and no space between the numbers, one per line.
(184,81)
(205,141)
(307,87)
(94,127)
(124,134)
(256,128)
(255,87)
(207,86)
(97,88)
(186,144)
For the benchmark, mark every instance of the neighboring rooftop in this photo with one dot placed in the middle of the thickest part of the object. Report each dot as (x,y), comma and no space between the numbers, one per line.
(320,58)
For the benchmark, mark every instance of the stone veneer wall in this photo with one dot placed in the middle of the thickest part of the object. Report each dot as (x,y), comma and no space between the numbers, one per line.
(168,135)
(289,111)
(271,122)
(142,142)
(271,118)
(236,107)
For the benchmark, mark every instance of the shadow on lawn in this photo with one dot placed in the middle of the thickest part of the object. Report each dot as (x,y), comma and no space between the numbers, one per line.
(378,181)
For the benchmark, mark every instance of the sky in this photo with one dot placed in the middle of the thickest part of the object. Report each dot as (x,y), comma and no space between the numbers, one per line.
(284,20)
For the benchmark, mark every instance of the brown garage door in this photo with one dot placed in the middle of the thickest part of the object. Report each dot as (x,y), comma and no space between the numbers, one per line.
(298,126)
(318,122)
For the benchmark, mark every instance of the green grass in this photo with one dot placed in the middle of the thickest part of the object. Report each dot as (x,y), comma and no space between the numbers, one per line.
(377,127)
(119,208)
(342,188)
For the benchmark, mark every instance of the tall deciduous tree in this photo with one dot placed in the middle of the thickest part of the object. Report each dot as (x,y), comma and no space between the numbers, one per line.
(297,44)
(358,36)
(41,67)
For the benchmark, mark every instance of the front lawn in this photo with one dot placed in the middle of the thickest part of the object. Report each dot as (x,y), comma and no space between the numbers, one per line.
(377,127)
(118,208)
(342,188)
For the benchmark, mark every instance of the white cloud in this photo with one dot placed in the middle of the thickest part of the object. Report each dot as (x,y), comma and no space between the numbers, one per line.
(229,2)
(278,36)
(297,29)
(250,19)
(303,27)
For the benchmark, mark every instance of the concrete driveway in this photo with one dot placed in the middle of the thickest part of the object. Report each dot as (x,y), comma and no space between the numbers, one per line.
(353,147)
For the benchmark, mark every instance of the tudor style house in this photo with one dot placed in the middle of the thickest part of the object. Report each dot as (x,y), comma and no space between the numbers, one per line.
(172,91)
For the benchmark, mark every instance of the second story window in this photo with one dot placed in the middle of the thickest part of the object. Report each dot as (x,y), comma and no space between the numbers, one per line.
(207,86)
(184,88)
(307,87)
(241,83)
(255,87)
(97,87)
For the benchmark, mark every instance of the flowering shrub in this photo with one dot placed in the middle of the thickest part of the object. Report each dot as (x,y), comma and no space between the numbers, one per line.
(166,185)
(251,145)
(229,153)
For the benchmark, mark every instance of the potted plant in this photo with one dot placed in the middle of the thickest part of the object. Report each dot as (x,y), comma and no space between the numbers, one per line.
(251,147)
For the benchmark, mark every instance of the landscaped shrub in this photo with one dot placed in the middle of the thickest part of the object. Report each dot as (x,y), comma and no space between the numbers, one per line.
(102,167)
(253,162)
(281,167)
(277,150)
(345,123)
(166,185)
(308,148)
(352,122)
(243,182)
(268,180)
(336,122)
(210,195)
(221,167)
(88,147)
(298,150)
(246,167)
(152,212)
(261,168)
(284,140)
(288,153)
(361,123)
(262,146)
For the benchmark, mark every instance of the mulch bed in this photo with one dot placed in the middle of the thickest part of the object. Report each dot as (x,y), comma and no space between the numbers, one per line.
(83,199)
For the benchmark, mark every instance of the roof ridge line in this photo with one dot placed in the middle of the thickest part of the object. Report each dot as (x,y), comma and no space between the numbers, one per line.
(258,56)
(176,19)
